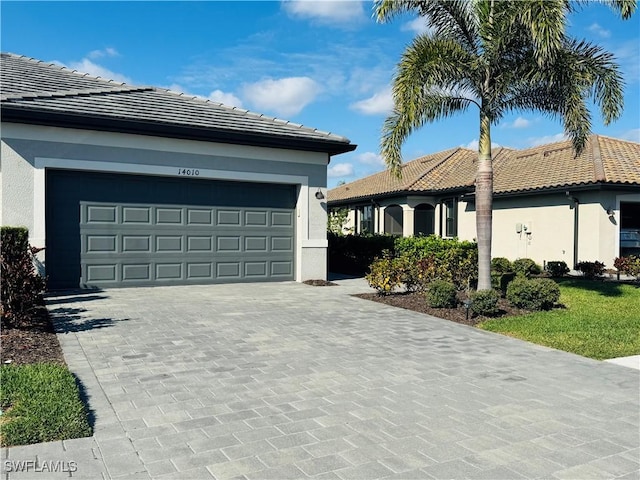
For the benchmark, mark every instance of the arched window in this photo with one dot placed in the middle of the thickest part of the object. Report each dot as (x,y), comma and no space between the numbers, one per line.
(393,220)
(424,219)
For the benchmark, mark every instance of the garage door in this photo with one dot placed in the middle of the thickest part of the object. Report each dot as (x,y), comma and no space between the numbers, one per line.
(108,230)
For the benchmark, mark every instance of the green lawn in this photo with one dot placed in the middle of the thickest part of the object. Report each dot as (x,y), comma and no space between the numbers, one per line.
(40,403)
(601,320)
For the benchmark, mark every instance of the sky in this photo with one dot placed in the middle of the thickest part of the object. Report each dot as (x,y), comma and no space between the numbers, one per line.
(323,64)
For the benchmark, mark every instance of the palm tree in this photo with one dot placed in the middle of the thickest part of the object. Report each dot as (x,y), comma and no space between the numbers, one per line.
(499,56)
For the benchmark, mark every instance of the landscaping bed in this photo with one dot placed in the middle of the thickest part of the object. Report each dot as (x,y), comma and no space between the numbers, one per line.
(35,343)
(417,302)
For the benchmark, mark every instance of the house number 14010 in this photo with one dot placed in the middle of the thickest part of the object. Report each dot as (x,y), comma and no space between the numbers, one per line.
(189,172)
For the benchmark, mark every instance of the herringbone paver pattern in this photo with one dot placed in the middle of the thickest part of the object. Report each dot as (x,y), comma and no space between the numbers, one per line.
(290,381)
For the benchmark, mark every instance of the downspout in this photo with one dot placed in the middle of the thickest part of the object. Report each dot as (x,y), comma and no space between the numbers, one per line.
(576,224)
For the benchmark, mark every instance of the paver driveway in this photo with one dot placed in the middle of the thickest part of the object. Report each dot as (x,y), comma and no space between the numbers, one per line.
(293,381)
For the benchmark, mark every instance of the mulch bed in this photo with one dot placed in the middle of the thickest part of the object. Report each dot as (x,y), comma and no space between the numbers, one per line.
(320,283)
(418,303)
(35,342)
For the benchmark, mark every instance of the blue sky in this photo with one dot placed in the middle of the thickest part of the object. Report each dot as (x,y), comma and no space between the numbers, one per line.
(324,64)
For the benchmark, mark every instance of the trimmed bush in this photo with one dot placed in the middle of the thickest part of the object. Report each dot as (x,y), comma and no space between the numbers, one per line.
(533,294)
(629,265)
(557,268)
(448,259)
(385,274)
(590,270)
(526,267)
(485,302)
(501,265)
(21,287)
(442,294)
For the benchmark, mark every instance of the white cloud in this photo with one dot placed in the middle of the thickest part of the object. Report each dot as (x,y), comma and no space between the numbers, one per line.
(340,170)
(107,52)
(418,26)
(537,141)
(285,96)
(370,158)
(326,11)
(380,103)
(521,123)
(226,98)
(633,135)
(473,145)
(87,66)
(598,30)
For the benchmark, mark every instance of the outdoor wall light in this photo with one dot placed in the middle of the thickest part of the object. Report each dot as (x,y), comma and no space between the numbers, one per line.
(319,194)
(610,212)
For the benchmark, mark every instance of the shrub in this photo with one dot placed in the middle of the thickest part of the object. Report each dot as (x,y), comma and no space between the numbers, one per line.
(590,270)
(385,274)
(533,294)
(501,265)
(21,287)
(442,294)
(449,259)
(629,265)
(526,267)
(557,268)
(485,302)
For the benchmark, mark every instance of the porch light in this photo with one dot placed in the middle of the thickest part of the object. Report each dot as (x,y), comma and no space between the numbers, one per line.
(319,194)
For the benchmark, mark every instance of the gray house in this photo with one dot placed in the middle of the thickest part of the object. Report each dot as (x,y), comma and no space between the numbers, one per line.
(129,186)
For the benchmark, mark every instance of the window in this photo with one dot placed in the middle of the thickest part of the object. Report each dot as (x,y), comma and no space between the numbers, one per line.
(450,212)
(365,215)
(423,219)
(393,220)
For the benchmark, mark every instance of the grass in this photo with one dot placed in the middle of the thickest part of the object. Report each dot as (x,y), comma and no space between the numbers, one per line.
(40,403)
(600,320)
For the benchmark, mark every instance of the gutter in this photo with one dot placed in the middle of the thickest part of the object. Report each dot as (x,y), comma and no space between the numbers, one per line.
(576,225)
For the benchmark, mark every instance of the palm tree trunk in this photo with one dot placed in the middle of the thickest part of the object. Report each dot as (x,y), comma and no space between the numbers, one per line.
(484,203)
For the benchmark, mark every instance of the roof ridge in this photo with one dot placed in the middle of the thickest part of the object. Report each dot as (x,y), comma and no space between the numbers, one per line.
(73,93)
(447,157)
(63,67)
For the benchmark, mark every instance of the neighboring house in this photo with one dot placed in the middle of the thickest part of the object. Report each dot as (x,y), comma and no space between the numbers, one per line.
(129,185)
(548,204)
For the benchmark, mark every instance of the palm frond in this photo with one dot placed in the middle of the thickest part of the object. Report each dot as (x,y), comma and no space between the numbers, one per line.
(402,123)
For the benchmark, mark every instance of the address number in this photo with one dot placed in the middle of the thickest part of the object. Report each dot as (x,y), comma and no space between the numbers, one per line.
(190,172)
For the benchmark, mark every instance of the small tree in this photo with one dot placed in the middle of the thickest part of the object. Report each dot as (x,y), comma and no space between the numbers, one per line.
(337,220)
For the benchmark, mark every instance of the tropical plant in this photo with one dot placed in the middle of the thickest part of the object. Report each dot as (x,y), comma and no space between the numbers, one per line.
(499,56)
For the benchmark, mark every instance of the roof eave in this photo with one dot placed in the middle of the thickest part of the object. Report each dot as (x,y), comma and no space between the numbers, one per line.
(102,123)
(460,190)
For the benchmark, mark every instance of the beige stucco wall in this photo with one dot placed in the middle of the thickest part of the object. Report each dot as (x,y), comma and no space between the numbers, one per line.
(27,150)
(550,222)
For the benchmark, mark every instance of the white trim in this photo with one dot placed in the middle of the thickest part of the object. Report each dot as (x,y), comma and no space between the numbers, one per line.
(302,204)
(38,232)
(635,197)
(315,243)
(159,144)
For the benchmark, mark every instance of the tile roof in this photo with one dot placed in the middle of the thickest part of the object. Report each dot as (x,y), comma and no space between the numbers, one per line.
(31,89)
(604,160)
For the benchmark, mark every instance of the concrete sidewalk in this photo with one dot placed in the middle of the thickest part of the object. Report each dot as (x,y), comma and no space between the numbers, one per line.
(292,381)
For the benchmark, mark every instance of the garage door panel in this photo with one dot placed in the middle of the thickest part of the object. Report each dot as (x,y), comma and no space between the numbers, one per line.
(168,231)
